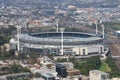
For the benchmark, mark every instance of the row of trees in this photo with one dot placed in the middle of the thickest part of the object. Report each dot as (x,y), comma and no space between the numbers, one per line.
(6,33)
(17,69)
(4,54)
(13,69)
(4,39)
(7,30)
(95,63)
(61,60)
(115,71)
(87,65)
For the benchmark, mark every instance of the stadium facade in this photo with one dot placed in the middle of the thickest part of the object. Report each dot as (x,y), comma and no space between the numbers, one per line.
(72,43)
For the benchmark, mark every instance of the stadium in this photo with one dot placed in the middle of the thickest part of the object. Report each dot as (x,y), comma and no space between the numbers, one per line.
(59,43)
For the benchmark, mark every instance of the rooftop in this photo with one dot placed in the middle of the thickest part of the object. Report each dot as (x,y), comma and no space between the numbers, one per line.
(97,72)
(47,75)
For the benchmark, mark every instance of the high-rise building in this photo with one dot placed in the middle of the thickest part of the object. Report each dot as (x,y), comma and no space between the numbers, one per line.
(61,70)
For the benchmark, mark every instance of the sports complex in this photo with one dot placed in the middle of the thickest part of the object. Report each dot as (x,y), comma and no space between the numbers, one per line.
(60,43)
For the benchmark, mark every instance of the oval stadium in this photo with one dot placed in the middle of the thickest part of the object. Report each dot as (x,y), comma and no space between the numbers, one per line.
(73,43)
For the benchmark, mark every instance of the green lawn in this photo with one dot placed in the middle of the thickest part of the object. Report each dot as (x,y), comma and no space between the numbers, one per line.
(104,67)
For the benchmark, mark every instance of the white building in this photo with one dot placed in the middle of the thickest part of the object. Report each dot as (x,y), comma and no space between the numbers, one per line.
(116,78)
(98,75)
(68,65)
(87,50)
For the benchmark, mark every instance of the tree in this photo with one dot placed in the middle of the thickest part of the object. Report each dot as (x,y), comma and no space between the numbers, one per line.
(12,52)
(17,69)
(51,56)
(87,65)
(115,71)
(59,60)
(37,75)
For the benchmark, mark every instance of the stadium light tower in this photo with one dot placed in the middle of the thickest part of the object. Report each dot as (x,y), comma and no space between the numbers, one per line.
(62,31)
(96,24)
(103,28)
(57,25)
(18,37)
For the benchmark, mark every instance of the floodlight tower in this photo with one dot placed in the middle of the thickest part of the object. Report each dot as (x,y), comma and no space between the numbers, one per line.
(96,25)
(57,25)
(18,37)
(103,30)
(62,31)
